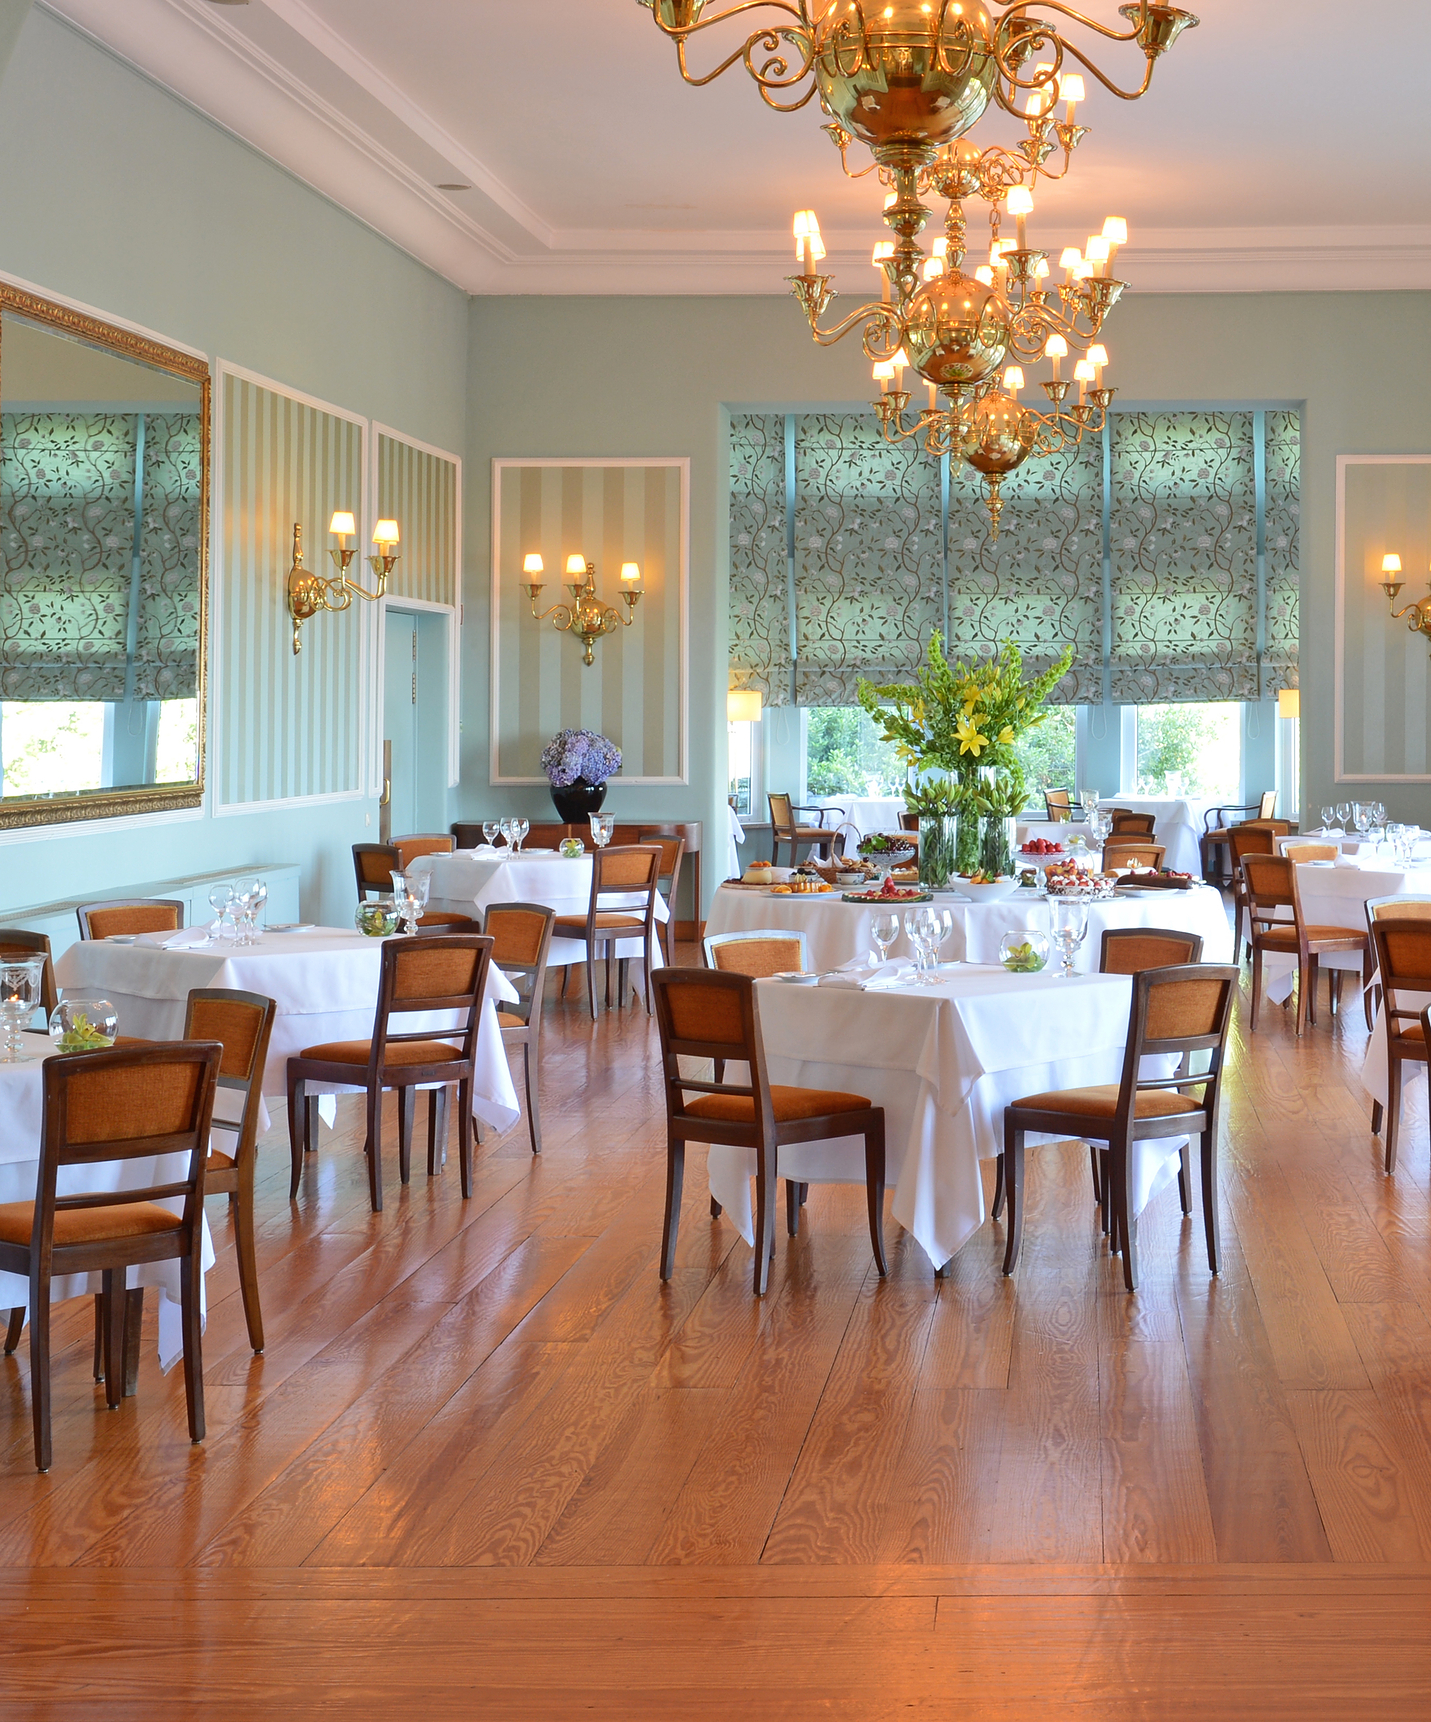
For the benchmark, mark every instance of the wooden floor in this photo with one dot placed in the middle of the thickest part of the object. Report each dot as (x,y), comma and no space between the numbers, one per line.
(489,1465)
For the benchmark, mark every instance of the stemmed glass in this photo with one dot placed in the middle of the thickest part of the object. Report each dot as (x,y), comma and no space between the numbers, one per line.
(20,984)
(1344,811)
(245,901)
(1070,929)
(410,894)
(884,930)
(520,828)
(1089,798)
(257,897)
(221,901)
(504,831)
(490,828)
(1329,814)
(918,927)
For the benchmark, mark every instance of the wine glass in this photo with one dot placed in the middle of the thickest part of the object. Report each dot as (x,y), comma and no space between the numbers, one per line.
(243,890)
(884,930)
(221,901)
(1089,798)
(1070,929)
(1329,814)
(1344,815)
(520,828)
(257,897)
(490,828)
(918,925)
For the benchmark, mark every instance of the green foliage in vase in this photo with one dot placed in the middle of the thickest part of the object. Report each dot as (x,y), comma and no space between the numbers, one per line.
(932,797)
(1001,793)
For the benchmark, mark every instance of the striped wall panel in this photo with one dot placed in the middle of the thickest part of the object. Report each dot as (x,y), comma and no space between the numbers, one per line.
(1385,729)
(634,692)
(418,489)
(289,727)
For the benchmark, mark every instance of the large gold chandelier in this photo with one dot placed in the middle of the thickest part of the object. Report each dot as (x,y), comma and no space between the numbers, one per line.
(909,79)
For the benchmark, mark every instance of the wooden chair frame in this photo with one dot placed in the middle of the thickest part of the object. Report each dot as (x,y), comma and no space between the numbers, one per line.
(1058,805)
(1400,1048)
(42,1260)
(422,843)
(236,1181)
(1262,901)
(87,910)
(642,925)
(1125,1127)
(714,941)
(789,830)
(530,980)
(1243,840)
(673,854)
(1133,824)
(1119,855)
(379,1074)
(21,946)
(764,1133)
(386,860)
(1217,837)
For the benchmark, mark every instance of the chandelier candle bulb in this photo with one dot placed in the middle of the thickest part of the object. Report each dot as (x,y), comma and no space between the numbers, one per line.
(343,527)
(1071,259)
(1085,375)
(1056,349)
(1013,380)
(1391,580)
(1070,87)
(631,575)
(1020,205)
(1097,252)
(1098,358)
(1115,231)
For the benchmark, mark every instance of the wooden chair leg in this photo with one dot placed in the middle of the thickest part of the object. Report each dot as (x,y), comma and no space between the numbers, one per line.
(437,1106)
(464,1135)
(1368,1005)
(1336,990)
(1105,1201)
(716,1211)
(247,1259)
(406,1110)
(14,1330)
(113,1302)
(792,1209)
(40,1369)
(1184,1188)
(609,947)
(133,1332)
(675,1177)
(623,981)
(1376,1116)
(1209,1201)
(530,1061)
(97,1369)
(193,1347)
(1393,1109)
(297,1133)
(565,977)
(1097,1181)
(1256,986)
(996,1207)
(765,1179)
(591,979)
(874,1193)
(373,1147)
(1123,1217)
(1014,1188)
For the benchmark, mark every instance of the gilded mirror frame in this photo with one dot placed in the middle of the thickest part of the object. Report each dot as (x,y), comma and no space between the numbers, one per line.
(89,804)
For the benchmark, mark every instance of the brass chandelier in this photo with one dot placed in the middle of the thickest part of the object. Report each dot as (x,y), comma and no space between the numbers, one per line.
(909,79)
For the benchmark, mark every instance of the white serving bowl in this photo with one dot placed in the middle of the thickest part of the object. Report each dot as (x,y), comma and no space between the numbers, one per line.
(985,893)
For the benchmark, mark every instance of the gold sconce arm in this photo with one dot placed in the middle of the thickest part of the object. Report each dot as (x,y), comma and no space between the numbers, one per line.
(306,593)
(586,615)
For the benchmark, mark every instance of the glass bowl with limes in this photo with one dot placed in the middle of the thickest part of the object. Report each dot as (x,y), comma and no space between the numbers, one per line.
(1024,951)
(378,917)
(83,1024)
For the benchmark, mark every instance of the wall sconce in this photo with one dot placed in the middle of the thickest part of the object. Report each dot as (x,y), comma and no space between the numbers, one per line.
(742,705)
(585,616)
(1418,615)
(308,593)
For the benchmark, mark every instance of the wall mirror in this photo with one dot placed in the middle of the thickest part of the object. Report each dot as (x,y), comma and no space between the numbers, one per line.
(104,494)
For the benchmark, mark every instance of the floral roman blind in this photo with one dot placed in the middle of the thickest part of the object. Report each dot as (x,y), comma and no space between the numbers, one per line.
(67,556)
(1164,553)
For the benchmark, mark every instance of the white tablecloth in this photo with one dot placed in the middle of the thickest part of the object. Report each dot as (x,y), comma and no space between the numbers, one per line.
(472,878)
(735,835)
(1177,825)
(21,1122)
(325,984)
(861,815)
(1335,895)
(943,1061)
(838,932)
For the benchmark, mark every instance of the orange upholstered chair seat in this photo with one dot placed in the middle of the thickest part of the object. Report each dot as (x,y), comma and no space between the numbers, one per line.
(443,918)
(88,1225)
(575,925)
(218,1161)
(398,1052)
(788,1105)
(1102,1102)
(508,1019)
(1287,936)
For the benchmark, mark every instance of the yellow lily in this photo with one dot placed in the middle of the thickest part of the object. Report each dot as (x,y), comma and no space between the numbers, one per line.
(1006,735)
(970,740)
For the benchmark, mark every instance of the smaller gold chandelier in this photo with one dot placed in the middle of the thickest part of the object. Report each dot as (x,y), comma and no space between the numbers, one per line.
(308,593)
(1417,615)
(585,616)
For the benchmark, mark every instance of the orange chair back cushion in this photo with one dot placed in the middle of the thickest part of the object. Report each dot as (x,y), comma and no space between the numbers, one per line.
(517,934)
(757,957)
(140,918)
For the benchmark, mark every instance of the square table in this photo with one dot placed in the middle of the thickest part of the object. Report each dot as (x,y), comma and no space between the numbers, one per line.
(21,1122)
(324,982)
(943,1061)
(1335,894)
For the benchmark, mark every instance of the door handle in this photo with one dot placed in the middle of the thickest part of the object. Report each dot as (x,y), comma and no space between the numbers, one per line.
(386,797)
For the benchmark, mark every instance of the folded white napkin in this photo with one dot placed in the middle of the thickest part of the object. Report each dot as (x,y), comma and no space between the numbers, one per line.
(861,976)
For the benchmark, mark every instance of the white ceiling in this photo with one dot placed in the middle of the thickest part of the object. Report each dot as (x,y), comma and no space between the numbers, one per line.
(1275,150)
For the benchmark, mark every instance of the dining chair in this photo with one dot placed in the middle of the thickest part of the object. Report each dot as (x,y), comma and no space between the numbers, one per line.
(1215,843)
(1175,1012)
(1391,908)
(1267,804)
(242,1024)
(125,1103)
(1401,940)
(440,974)
(17,944)
(130,915)
(626,872)
(1244,840)
(759,953)
(1133,824)
(423,843)
(521,935)
(1276,923)
(1118,855)
(1299,852)
(784,828)
(909,822)
(1058,804)
(704,1014)
(668,880)
(375,864)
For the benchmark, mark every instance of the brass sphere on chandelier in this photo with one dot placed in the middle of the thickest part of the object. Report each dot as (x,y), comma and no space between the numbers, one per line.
(1000,435)
(957,330)
(903,76)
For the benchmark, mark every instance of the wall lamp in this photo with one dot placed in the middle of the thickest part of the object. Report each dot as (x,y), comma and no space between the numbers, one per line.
(742,705)
(1418,614)
(308,593)
(585,616)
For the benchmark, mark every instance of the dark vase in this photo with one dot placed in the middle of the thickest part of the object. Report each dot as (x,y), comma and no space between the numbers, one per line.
(578,800)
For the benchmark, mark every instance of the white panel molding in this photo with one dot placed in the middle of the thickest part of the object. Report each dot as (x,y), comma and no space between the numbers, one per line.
(98,827)
(683,464)
(218,575)
(1339,772)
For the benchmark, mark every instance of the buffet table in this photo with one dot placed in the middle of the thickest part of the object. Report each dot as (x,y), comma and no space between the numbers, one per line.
(838,933)
(943,1061)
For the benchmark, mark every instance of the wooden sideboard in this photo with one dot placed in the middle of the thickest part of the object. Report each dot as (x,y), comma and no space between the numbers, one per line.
(548,835)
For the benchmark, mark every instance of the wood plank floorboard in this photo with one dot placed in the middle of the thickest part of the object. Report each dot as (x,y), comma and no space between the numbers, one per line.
(488,1461)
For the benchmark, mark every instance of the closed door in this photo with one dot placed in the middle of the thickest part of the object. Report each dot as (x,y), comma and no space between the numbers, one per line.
(415,718)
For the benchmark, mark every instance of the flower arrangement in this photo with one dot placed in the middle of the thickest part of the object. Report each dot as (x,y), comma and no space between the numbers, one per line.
(579,755)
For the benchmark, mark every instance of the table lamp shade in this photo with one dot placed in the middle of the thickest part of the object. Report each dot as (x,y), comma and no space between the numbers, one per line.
(742,705)
(1289,703)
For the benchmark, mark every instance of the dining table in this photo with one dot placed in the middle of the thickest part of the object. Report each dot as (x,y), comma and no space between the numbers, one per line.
(838,933)
(943,1060)
(1335,894)
(21,1125)
(859,816)
(324,981)
(1177,825)
(468,880)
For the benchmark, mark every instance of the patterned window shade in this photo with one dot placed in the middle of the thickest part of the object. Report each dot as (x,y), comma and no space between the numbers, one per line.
(1040,582)
(1195,599)
(67,557)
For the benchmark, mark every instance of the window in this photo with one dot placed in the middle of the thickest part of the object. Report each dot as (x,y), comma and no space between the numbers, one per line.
(51,747)
(1048,754)
(1190,749)
(176,750)
(845,756)
(741,754)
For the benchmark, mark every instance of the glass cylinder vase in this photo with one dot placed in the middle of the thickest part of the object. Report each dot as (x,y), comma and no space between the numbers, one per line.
(997,838)
(938,849)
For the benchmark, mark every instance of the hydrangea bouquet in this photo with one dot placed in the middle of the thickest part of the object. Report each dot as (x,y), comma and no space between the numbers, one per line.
(579,756)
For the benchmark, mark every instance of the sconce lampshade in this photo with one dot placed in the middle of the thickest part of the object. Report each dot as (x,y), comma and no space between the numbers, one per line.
(1289,703)
(385,532)
(532,564)
(342,525)
(576,564)
(742,705)
(630,573)
(1391,564)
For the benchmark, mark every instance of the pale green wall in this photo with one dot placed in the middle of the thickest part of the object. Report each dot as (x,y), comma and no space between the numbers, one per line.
(603,376)
(118,195)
